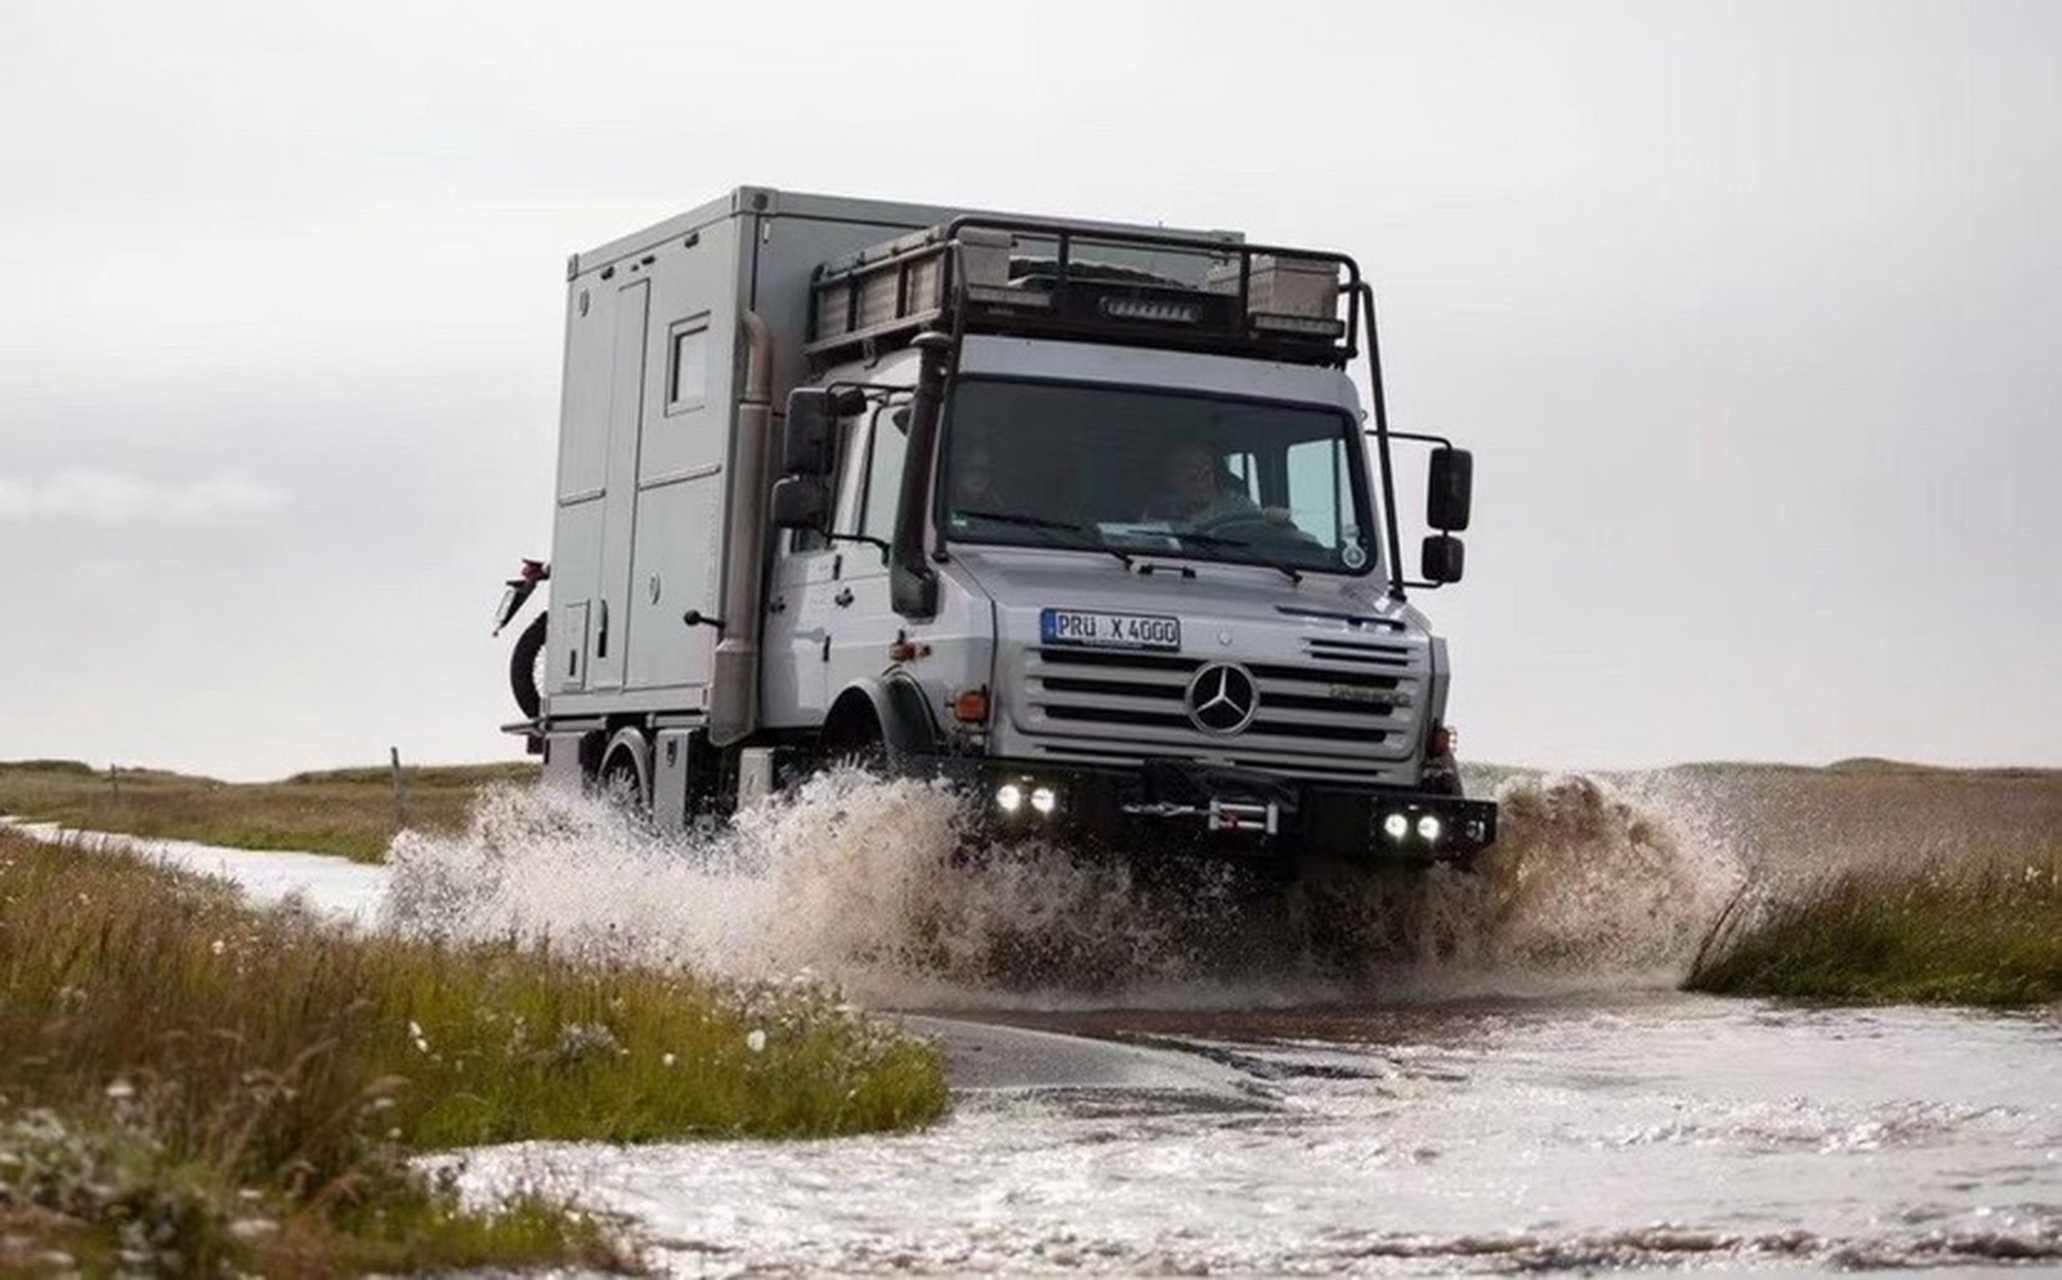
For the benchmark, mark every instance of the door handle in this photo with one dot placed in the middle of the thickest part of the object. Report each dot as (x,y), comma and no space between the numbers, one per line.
(843,598)
(778,605)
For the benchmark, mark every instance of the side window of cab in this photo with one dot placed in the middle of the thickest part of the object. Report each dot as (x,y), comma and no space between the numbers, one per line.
(845,479)
(1320,493)
(887,444)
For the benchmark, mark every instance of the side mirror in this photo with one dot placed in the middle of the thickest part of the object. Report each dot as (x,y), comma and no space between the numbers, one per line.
(805,442)
(1442,558)
(801,502)
(1449,490)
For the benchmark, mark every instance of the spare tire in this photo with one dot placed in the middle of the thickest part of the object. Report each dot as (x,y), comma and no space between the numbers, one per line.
(522,665)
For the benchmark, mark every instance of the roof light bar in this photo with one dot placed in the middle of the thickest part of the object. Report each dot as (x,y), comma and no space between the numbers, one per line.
(1004,296)
(1154,309)
(1311,325)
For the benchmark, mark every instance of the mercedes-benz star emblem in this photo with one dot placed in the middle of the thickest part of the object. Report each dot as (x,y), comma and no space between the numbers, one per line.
(1222,698)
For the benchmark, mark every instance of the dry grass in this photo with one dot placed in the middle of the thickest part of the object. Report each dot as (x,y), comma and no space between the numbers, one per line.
(1985,931)
(346,811)
(178,1061)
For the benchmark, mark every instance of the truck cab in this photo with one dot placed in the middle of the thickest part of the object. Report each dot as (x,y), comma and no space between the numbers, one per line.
(1089,519)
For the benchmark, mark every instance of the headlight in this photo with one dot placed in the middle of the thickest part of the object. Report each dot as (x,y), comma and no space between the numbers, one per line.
(1044,801)
(1429,829)
(1396,826)
(1010,796)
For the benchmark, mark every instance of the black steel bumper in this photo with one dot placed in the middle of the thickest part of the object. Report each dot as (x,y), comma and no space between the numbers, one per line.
(1180,807)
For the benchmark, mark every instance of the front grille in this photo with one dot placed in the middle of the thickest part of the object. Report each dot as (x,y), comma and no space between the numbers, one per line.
(1345,715)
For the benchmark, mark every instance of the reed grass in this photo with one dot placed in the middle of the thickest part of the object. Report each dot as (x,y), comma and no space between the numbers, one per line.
(1981,931)
(205,1083)
(351,812)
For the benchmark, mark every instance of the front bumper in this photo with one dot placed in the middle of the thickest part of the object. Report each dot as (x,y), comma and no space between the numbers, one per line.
(1179,807)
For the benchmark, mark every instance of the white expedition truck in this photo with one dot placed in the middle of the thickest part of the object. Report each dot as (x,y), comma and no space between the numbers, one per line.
(1086,517)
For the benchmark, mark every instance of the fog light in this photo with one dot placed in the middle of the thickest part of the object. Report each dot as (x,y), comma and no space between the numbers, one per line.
(1044,801)
(1428,828)
(1010,796)
(1396,826)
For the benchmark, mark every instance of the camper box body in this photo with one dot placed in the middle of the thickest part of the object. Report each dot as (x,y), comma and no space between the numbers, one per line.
(652,456)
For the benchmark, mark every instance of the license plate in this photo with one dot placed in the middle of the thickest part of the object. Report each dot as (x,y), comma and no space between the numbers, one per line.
(1110,630)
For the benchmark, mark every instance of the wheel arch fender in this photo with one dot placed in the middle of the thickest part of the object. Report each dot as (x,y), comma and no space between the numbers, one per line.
(633,744)
(897,705)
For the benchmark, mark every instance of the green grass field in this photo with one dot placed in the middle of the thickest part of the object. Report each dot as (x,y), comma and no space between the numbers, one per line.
(1982,932)
(208,1087)
(351,812)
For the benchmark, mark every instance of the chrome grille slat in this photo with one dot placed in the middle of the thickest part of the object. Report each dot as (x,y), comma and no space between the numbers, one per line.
(1322,675)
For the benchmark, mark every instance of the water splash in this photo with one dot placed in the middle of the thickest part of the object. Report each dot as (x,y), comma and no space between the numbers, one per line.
(873,886)
(1586,877)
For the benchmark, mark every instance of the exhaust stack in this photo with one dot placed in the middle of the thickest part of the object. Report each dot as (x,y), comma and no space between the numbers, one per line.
(734,682)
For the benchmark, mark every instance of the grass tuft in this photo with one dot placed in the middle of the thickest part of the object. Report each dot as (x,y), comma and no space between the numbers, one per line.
(1987,932)
(351,812)
(205,1086)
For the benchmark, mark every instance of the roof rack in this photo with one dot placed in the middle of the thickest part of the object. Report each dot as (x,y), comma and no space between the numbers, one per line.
(1053,279)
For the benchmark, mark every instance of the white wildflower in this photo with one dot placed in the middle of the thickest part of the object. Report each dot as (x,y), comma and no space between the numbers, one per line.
(756,1040)
(576,1039)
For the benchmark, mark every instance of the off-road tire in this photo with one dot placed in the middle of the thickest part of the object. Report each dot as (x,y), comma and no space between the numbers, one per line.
(522,665)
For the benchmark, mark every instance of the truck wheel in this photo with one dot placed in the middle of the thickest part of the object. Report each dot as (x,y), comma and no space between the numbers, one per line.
(623,775)
(524,664)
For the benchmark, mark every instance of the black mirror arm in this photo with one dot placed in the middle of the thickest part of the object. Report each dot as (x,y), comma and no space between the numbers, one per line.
(1441,441)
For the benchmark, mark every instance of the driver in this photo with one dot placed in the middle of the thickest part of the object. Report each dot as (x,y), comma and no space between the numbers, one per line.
(1196,491)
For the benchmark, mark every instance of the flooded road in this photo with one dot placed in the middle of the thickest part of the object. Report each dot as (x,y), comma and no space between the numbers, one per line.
(1571,1132)
(1431,1074)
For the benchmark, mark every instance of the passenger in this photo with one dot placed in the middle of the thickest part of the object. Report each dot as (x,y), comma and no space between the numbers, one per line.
(988,496)
(976,482)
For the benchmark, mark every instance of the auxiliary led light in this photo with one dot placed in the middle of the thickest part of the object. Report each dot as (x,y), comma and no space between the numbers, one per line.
(1044,801)
(1313,325)
(1010,796)
(1429,829)
(1396,826)
(1152,309)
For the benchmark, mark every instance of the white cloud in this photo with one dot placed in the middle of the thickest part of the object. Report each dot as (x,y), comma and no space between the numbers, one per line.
(109,498)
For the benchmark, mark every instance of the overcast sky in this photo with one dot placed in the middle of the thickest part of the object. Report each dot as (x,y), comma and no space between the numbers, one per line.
(1750,311)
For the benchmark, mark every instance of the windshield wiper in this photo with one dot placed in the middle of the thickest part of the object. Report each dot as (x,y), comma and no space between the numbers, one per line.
(1095,542)
(1212,540)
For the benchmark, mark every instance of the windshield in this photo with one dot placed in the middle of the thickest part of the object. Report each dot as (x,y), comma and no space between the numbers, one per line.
(1046,464)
